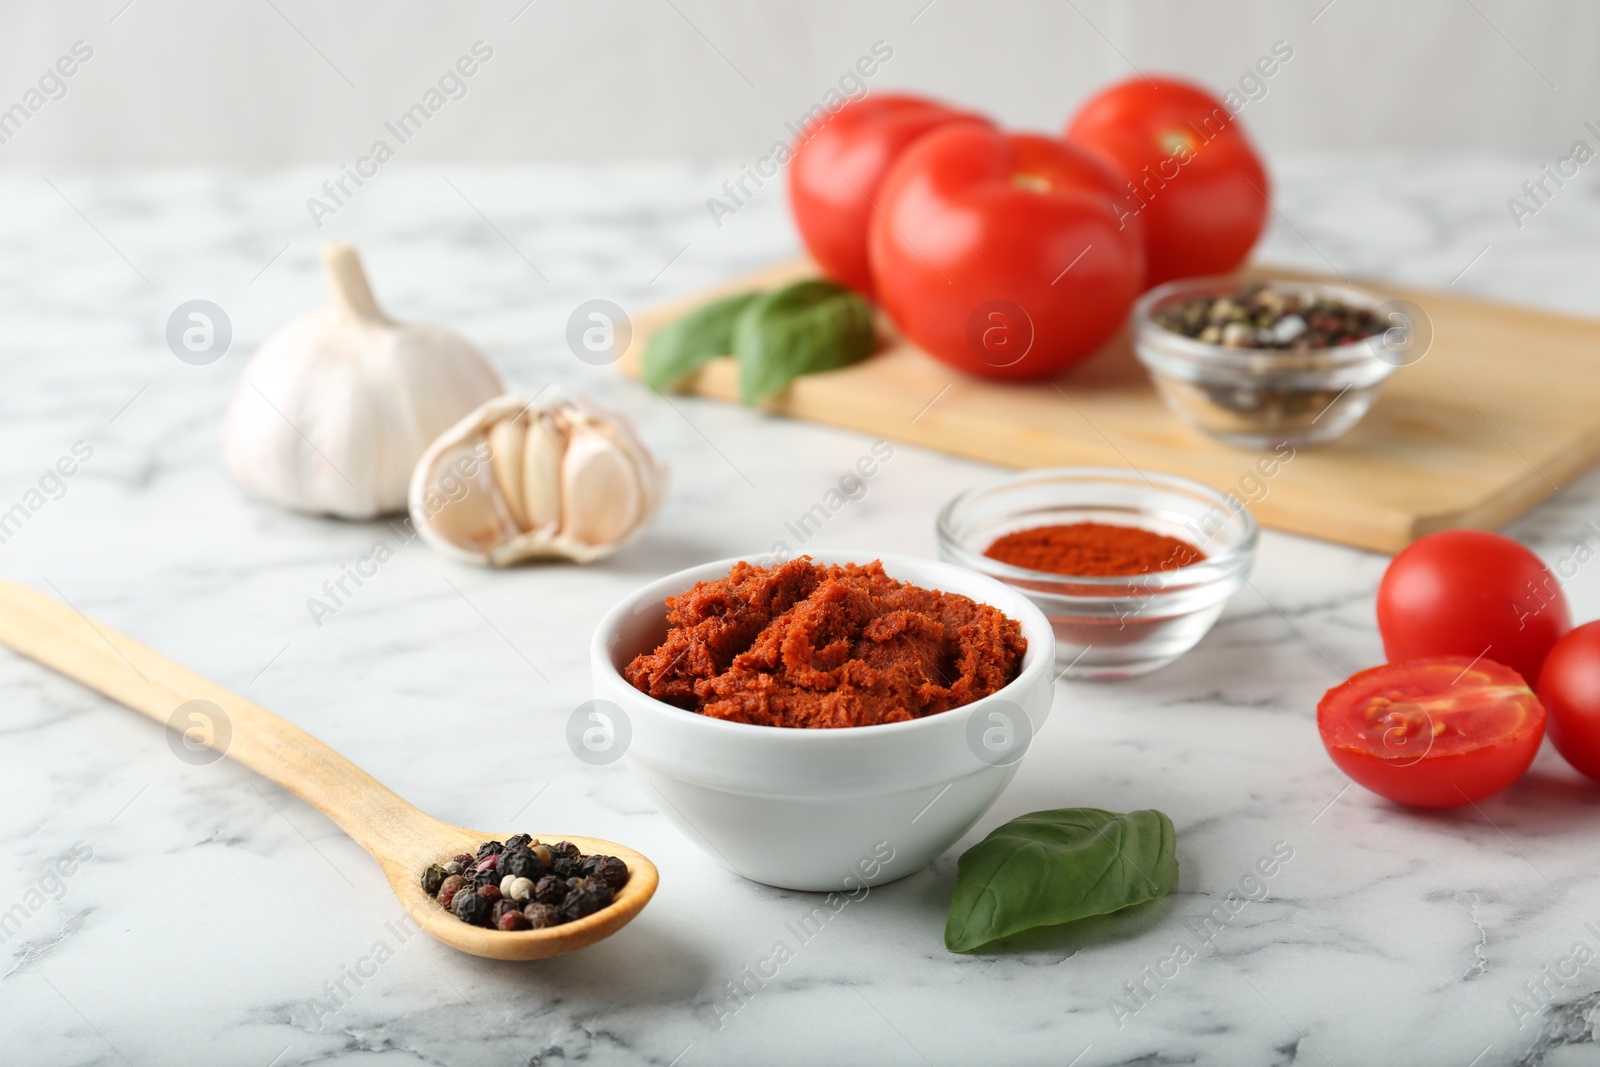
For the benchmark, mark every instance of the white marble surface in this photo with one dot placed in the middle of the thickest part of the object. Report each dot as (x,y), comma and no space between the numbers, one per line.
(217,909)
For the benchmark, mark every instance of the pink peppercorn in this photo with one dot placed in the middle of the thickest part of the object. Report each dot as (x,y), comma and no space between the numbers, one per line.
(513,920)
(447,888)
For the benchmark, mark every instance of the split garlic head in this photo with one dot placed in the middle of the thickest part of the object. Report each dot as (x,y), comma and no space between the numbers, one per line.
(513,482)
(336,406)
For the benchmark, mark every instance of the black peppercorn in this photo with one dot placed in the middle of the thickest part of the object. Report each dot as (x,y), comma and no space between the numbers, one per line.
(541,916)
(523,863)
(483,878)
(565,859)
(490,848)
(471,908)
(608,869)
(516,841)
(550,890)
(433,878)
(606,896)
(584,900)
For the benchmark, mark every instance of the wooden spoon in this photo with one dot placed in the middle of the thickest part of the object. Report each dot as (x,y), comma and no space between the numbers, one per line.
(401,838)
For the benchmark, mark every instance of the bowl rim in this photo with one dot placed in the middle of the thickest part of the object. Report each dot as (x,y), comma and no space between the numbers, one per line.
(1038,660)
(1220,563)
(1205,353)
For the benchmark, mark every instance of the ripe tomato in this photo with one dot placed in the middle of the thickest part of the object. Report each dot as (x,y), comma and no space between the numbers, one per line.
(1191,173)
(1434,733)
(837,168)
(1000,253)
(1471,593)
(1569,686)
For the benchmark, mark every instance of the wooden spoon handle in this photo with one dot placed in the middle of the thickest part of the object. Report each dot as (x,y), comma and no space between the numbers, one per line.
(68,641)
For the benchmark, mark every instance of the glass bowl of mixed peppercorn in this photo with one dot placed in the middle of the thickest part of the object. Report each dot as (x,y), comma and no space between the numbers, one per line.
(1257,364)
(1132,569)
(523,884)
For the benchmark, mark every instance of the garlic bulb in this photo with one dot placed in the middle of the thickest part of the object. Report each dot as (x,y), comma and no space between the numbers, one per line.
(511,482)
(337,405)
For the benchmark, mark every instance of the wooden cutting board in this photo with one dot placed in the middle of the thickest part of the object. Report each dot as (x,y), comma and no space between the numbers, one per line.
(1503,410)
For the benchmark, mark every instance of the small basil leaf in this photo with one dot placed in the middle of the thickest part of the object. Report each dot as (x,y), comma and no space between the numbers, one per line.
(684,346)
(1052,867)
(800,329)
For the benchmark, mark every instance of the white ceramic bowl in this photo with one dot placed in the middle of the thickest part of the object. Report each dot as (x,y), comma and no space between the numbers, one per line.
(825,809)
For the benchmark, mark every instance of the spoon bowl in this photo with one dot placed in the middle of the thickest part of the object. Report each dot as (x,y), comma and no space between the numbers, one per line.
(403,839)
(437,842)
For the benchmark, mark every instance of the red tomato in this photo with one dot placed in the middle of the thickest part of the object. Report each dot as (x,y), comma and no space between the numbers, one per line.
(1000,254)
(837,168)
(1434,733)
(1192,175)
(1569,686)
(1471,593)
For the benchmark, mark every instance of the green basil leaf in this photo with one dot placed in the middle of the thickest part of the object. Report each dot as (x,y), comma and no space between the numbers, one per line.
(1052,867)
(683,347)
(800,329)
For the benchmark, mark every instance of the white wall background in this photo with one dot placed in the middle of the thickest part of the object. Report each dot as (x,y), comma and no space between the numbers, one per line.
(273,82)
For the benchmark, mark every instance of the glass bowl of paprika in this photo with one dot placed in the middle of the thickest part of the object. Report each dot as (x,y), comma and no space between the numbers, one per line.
(1131,569)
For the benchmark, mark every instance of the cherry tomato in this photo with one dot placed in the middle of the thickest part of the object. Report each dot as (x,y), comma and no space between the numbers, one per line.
(837,168)
(1000,253)
(1569,686)
(1471,593)
(1433,733)
(1191,174)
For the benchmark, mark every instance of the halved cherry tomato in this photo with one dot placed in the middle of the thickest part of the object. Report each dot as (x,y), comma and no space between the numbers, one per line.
(1569,686)
(1434,733)
(837,167)
(1190,173)
(1471,593)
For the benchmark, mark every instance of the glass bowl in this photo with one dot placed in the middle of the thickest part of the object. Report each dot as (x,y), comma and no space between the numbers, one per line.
(1260,397)
(1110,627)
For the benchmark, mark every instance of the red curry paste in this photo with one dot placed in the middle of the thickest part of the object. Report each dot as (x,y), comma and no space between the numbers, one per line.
(803,645)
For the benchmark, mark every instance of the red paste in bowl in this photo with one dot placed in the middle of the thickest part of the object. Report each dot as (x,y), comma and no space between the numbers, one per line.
(803,645)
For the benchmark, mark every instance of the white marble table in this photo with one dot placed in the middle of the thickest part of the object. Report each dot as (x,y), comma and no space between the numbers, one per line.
(219,919)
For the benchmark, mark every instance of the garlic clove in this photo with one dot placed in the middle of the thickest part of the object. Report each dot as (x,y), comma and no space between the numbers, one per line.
(588,485)
(506,443)
(471,515)
(541,473)
(600,490)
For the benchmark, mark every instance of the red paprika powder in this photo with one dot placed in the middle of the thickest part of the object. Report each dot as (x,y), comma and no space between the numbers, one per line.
(1092,549)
